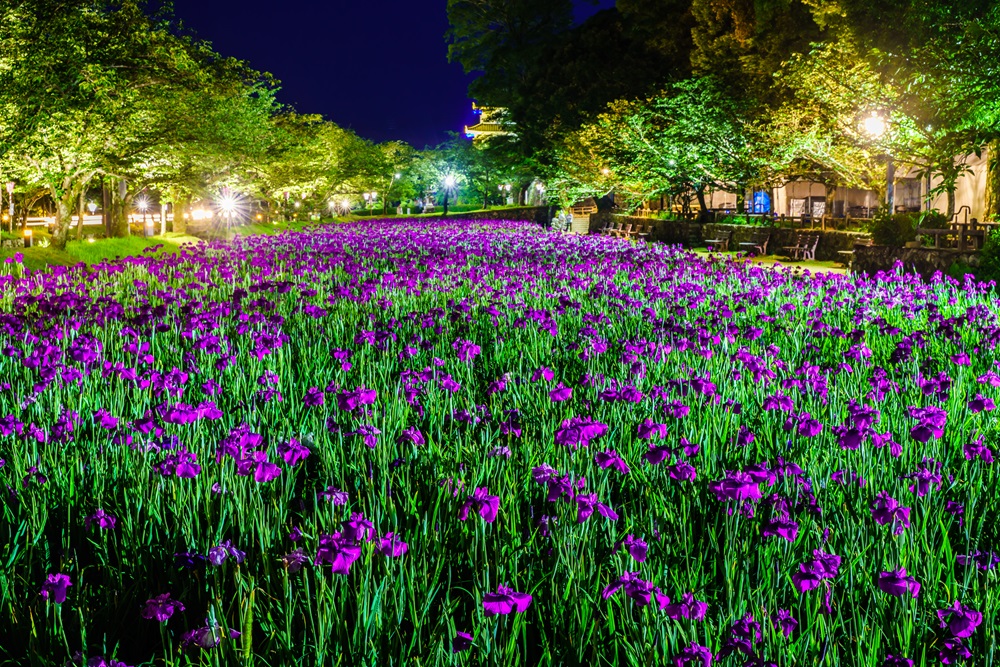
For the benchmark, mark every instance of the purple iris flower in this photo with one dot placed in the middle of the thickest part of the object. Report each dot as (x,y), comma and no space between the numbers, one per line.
(737,485)
(693,654)
(657,454)
(682,471)
(505,601)
(293,452)
(983,560)
(635,547)
(744,437)
(561,393)
(637,589)
(784,622)
(811,574)
(885,510)
(161,608)
(205,638)
(482,502)
(104,520)
(897,661)
(461,642)
(314,397)
(543,374)
(334,495)
(982,404)
(412,436)
(392,546)
(898,583)
(925,477)
(976,448)
(782,527)
(294,561)
(611,459)
(587,503)
(807,426)
(101,661)
(579,431)
(688,607)
(218,554)
(358,528)
(953,651)
(351,400)
(960,620)
(466,350)
(648,428)
(55,587)
(338,552)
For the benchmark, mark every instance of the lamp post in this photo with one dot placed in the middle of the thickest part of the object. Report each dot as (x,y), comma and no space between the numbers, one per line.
(875,127)
(143,205)
(449,184)
(10,197)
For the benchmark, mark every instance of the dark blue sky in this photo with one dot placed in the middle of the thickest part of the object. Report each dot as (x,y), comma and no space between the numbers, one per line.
(379,67)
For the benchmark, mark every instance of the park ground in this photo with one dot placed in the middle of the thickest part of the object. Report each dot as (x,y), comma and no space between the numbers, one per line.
(96,251)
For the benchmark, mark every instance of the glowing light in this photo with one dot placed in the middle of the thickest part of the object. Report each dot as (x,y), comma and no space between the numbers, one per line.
(449,181)
(92,206)
(90,239)
(27,233)
(874,126)
(606,171)
(398,176)
(200,214)
(142,203)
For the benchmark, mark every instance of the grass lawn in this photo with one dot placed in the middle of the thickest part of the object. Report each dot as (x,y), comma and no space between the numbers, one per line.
(777,262)
(94,252)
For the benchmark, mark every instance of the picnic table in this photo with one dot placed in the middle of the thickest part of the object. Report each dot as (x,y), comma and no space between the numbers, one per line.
(962,231)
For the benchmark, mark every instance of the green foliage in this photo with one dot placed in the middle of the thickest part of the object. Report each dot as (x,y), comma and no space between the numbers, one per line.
(893,230)
(989,259)
(933,220)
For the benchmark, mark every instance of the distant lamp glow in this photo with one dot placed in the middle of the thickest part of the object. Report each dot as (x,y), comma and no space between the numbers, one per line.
(606,171)
(874,126)
(398,176)
(27,238)
(92,207)
(449,181)
(142,204)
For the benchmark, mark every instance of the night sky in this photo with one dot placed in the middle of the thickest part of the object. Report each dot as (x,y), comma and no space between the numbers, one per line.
(378,67)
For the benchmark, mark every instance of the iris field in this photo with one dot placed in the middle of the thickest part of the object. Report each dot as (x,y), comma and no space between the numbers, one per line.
(461,443)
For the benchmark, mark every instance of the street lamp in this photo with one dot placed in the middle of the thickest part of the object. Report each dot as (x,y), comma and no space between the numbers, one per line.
(449,183)
(142,203)
(875,126)
(10,196)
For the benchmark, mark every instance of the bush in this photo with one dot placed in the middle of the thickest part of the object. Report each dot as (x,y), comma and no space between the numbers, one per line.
(933,220)
(989,260)
(893,230)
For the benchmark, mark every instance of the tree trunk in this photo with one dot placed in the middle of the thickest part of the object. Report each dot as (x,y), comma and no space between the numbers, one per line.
(181,208)
(82,208)
(951,204)
(486,199)
(992,182)
(445,212)
(703,213)
(831,196)
(120,227)
(64,218)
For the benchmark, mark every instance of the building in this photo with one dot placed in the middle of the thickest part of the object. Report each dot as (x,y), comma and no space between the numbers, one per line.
(492,123)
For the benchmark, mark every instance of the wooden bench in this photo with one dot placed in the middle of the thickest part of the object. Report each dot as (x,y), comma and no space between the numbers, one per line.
(804,248)
(721,243)
(758,242)
(847,256)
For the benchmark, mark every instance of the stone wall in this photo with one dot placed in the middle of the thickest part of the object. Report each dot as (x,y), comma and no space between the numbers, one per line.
(923,261)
